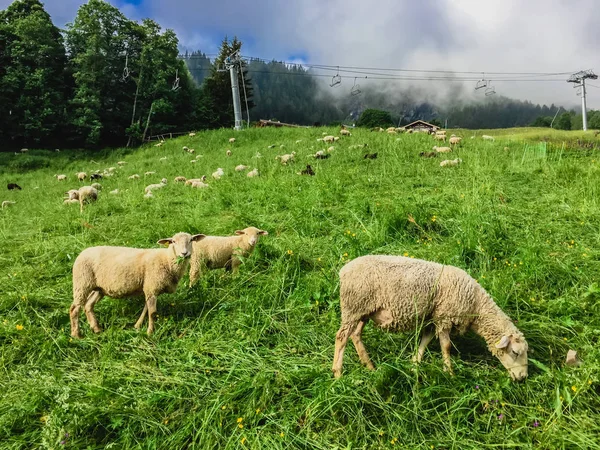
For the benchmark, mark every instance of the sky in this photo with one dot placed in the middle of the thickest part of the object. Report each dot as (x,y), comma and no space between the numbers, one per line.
(524,36)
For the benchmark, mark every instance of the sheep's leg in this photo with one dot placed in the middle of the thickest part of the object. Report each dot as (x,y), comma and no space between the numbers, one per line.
(79,297)
(140,321)
(92,299)
(444,336)
(235,264)
(195,266)
(426,337)
(341,338)
(360,346)
(151,305)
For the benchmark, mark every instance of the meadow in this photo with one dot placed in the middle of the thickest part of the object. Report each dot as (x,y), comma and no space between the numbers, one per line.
(244,360)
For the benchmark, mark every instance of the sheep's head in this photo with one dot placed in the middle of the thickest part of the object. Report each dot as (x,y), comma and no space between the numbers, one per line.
(181,243)
(252,234)
(73,194)
(512,353)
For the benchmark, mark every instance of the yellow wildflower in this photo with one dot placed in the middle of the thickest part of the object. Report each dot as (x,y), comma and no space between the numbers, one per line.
(319,259)
(282,434)
(257,410)
(405,253)
(20,327)
(353,234)
(240,426)
(345,255)
(243,441)
(574,388)
(289,252)
(223,407)
(240,419)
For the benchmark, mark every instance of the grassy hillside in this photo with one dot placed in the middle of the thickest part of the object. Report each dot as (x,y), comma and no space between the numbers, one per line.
(243,361)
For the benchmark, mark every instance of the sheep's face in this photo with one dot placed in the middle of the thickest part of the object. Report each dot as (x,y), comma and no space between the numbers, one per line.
(181,243)
(73,194)
(512,353)
(252,234)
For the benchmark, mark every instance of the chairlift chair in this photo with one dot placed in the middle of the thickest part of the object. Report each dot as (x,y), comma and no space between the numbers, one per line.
(483,83)
(336,80)
(355,90)
(490,91)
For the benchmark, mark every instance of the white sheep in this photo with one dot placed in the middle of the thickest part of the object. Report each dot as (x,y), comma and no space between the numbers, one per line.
(192,134)
(329,139)
(24,150)
(81,176)
(253,173)
(223,251)
(285,159)
(97,186)
(153,187)
(455,140)
(180,179)
(135,176)
(84,194)
(440,137)
(61,177)
(487,137)
(114,192)
(121,163)
(330,149)
(450,162)
(70,201)
(231,140)
(442,149)
(191,180)
(199,185)
(159,144)
(345,132)
(7,203)
(217,174)
(121,272)
(147,174)
(240,168)
(228,153)
(398,293)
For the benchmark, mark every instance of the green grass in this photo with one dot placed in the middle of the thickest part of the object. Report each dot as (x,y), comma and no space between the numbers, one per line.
(255,349)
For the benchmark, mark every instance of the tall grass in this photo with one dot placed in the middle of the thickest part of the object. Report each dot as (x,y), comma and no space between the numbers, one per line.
(243,361)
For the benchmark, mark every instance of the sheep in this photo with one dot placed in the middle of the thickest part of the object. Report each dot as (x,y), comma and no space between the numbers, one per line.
(147,174)
(329,139)
(121,163)
(193,161)
(70,201)
(253,173)
(153,187)
(180,179)
(159,144)
(148,195)
(398,292)
(308,171)
(392,132)
(321,155)
(506,149)
(370,156)
(217,174)
(87,194)
(121,272)
(440,137)
(285,159)
(455,140)
(185,148)
(487,137)
(336,138)
(95,176)
(271,146)
(228,153)
(97,186)
(61,177)
(192,180)
(81,176)
(223,251)
(240,168)
(442,149)
(114,192)
(391,129)
(330,149)
(7,203)
(13,186)
(192,134)
(450,162)
(24,150)
(345,132)
(191,150)
(231,140)
(135,176)
(440,132)
(428,154)
(199,185)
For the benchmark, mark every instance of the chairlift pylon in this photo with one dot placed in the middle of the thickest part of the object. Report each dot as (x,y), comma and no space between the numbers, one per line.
(336,80)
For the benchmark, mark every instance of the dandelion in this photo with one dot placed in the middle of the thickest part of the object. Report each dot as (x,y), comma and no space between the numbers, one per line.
(289,252)
(19,327)
(257,410)
(564,339)
(282,434)
(574,388)
(345,255)
(495,259)
(381,433)
(353,234)
(433,219)
(319,259)
(405,253)
(243,441)
(166,421)
(240,426)
(240,419)
(223,407)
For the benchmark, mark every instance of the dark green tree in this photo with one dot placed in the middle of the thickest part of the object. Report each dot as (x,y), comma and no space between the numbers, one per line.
(374,118)
(564,121)
(542,121)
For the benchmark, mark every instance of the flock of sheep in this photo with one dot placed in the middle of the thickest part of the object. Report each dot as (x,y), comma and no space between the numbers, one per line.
(395,293)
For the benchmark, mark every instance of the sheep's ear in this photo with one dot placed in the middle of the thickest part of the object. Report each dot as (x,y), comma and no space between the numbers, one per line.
(165,241)
(240,232)
(263,232)
(198,237)
(503,343)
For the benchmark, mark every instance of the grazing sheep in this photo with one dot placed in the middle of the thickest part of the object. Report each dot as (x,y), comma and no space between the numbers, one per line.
(271,146)
(70,201)
(180,179)
(148,195)
(440,137)
(217,174)
(240,168)
(231,140)
(61,177)
(159,144)
(199,185)
(97,186)
(393,131)
(228,153)
(24,150)
(95,176)
(322,156)
(147,174)
(7,203)
(442,149)
(487,137)
(450,162)
(121,163)
(81,176)
(153,187)
(398,293)
(121,272)
(135,176)
(192,180)
(428,154)
(345,132)
(114,192)
(308,171)
(13,186)
(330,149)
(285,159)
(223,251)
(329,139)
(85,194)
(191,150)
(440,132)
(370,156)
(192,134)
(455,140)
(253,173)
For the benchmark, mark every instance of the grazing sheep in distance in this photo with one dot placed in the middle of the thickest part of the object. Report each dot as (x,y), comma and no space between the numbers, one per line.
(308,171)
(199,185)
(455,140)
(114,192)
(147,174)
(7,203)
(253,173)
(329,139)
(428,154)
(192,134)
(487,137)
(85,194)
(228,153)
(442,149)
(192,180)
(217,174)
(398,293)
(121,163)
(81,176)
(121,272)
(95,176)
(24,150)
(135,176)
(97,186)
(159,144)
(61,177)
(345,132)
(285,159)
(223,251)
(240,168)
(330,149)
(231,140)
(440,137)
(370,156)
(180,179)
(13,186)
(450,162)
(153,187)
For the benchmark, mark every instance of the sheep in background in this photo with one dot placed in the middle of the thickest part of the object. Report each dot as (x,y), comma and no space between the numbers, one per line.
(455,140)
(24,150)
(228,153)
(440,137)
(14,186)
(97,186)
(253,173)
(217,174)
(308,171)
(114,192)
(450,162)
(61,177)
(345,132)
(95,176)
(135,176)
(153,187)
(398,293)
(192,134)
(231,140)
(285,159)
(428,154)
(180,179)
(240,168)
(147,174)
(442,149)
(84,194)
(81,176)
(370,156)
(121,163)
(223,251)
(122,272)
(329,139)
(487,137)
(192,180)
(199,185)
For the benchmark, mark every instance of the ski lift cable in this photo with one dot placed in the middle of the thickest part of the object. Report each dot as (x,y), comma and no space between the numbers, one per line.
(245,96)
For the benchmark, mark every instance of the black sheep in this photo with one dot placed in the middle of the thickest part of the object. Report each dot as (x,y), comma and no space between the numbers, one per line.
(370,156)
(13,186)
(308,171)
(95,176)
